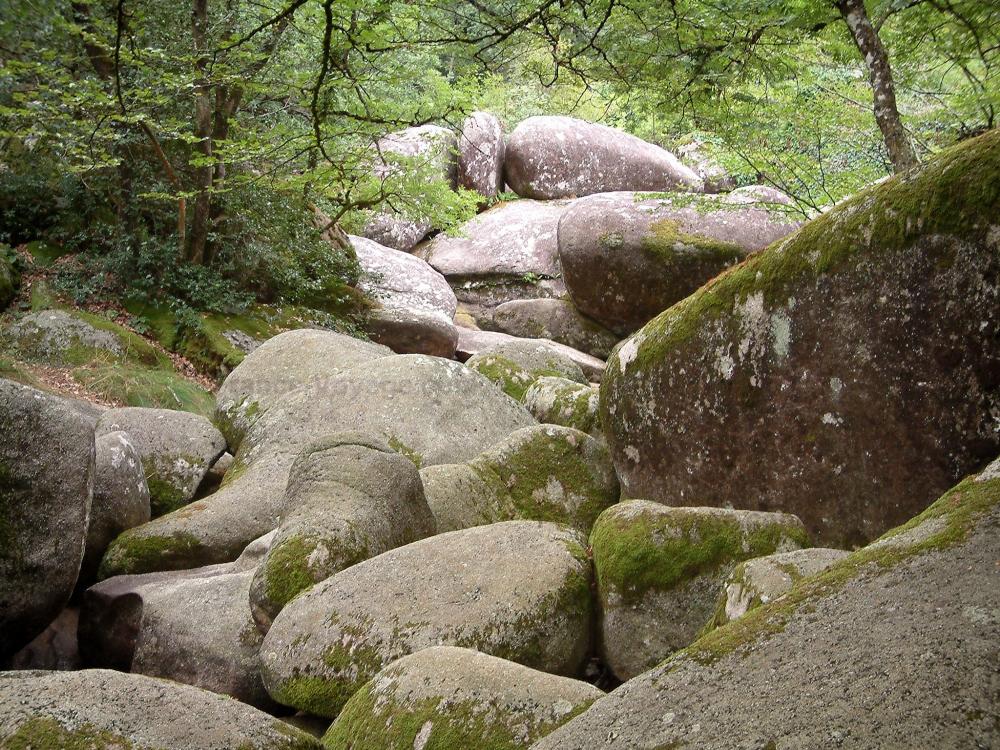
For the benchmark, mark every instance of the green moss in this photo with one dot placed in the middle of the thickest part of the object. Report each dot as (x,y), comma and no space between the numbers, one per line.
(137,552)
(44,733)
(513,379)
(134,386)
(571,406)
(164,496)
(957,194)
(638,552)
(666,239)
(286,569)
(377,722)
(12,369)
(959,509)
(404,450)
(317,695)
(10,279)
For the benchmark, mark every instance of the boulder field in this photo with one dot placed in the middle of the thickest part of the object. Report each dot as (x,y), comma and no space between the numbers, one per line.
(470,531)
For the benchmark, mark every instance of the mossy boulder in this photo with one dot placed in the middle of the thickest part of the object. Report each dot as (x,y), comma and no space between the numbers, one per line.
(10,277)
(444,698)
(518,590)
(98,709)
(555,319)
(472,341)
(846,374)
(283,363)
(906,625)
(191,626)
(627,257)
(349,497)
(120,499)
(558,157)
(764,579)
(46,486)
(660,571)
(514,365)
(553,400)
(429,409)
(540,473)
(176,448)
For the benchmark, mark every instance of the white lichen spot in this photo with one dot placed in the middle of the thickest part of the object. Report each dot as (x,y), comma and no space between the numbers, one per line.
(632,453)
(781,333)
(832,419)
(423,736)
(836,387)
(724,364)
(628,352)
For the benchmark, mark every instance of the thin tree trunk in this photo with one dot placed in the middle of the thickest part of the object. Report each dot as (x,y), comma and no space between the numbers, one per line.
(201,216)
(867,40)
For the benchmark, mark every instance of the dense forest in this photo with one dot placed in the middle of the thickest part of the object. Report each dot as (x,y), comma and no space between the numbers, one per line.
(450,374)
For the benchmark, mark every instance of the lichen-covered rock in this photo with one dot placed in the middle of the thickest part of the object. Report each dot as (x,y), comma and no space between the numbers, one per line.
(480,154)
(120,499)
(191,626)
(472,342)
(60,337)
(515,365)
(279,365)
(764,579)
(448,697)
(905,629)
(349,497)
(559,157)
(46,485)
(541,473)
(416,307)
(626,257)
(557,320)
(760,194)
(518,590)
(100,709)
(565,402)
(660,571)
(177,448)
(429,409)
(428,150)
(847,374)
(508,252)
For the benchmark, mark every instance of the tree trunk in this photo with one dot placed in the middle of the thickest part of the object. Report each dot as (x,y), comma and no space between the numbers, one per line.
(201,216)
(897,143)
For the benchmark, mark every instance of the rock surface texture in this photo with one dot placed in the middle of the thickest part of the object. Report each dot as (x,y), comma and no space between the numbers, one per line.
(349,497)
(555,319)
(518,590)
(447,697)
(559,157)
(416,307)
(74,710)
(46,486)
(661,570)
(481,150)
(894,646)
(626,257)
(847,374)
(429,409)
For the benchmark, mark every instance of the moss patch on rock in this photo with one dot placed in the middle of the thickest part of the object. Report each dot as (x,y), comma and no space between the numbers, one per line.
(135,552)
(43,732)
(638,552)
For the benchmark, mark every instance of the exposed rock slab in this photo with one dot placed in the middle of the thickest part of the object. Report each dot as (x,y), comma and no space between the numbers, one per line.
(481,150)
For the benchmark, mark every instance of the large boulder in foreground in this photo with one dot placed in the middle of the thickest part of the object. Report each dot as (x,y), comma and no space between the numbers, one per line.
(540,473)
(627,257)
(508,252)
(559,157)
(518,590)
(660,572)
(429,409)
(191,626)
(177,449)
(847,375)
(349,497)
(100,709)
(903,633)
(279,365)
(416,307)
(452,697)
(46,486)
(481,150)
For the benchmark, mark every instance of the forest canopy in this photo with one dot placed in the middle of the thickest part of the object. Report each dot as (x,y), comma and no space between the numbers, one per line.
(204,153)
